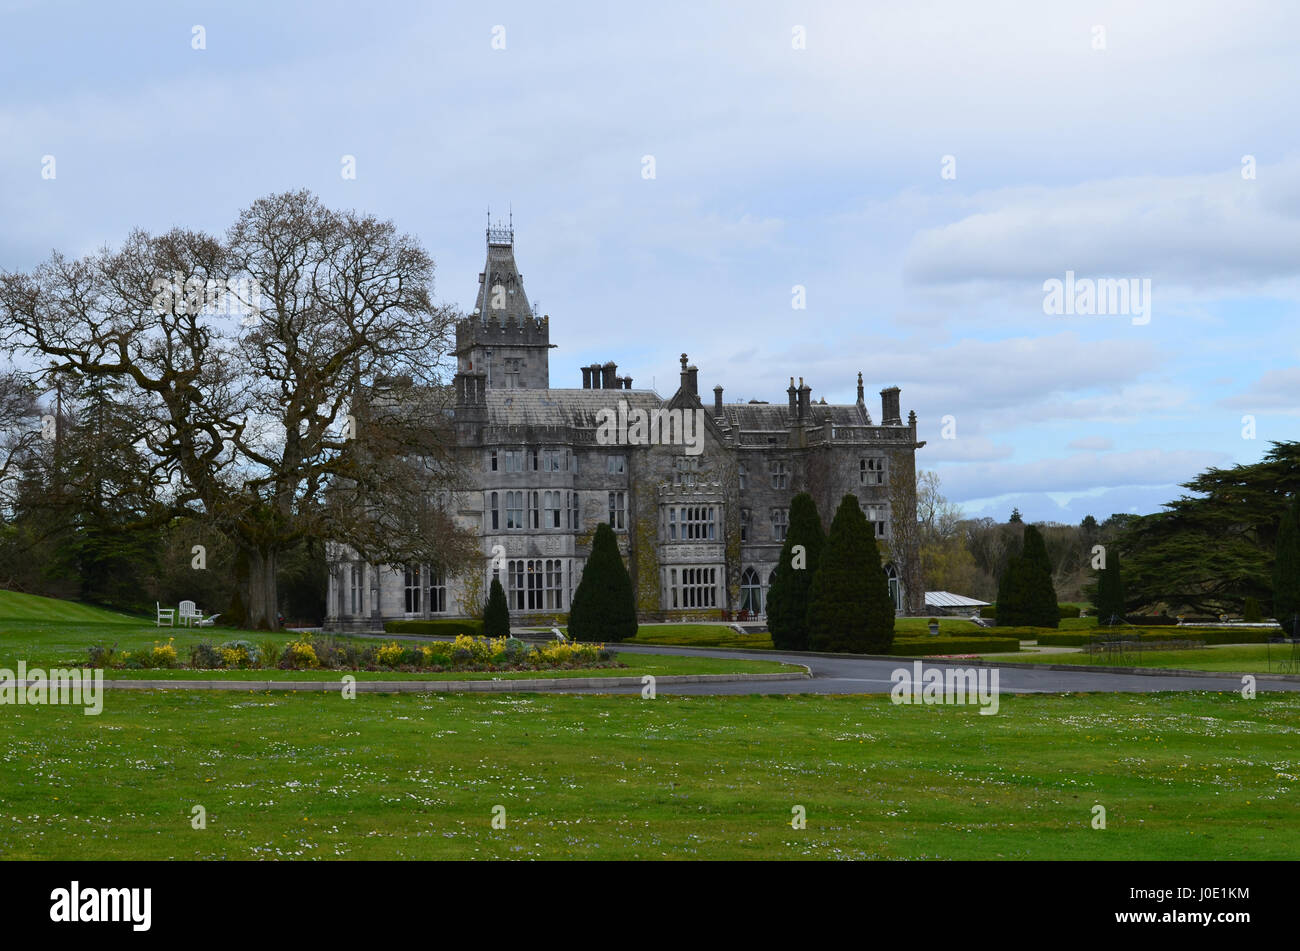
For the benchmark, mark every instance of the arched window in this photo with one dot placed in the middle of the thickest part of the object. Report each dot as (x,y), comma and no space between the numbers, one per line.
(751,592)
(895,589)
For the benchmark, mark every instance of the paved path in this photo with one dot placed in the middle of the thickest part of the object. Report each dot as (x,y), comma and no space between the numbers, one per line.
(844,675)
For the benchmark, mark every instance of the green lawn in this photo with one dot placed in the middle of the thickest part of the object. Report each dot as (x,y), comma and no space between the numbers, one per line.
(30,607)
(48,644)
(722,635)
(1194,775)
(1245,658)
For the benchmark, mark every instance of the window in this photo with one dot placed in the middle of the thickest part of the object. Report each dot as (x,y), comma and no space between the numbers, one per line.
(573,502)
(685,470)
(877,518)
(780,523)
(780,475)
(534,514)
(492,461)
(496,513)
(698,522)
(672,524)
(514,460)
(512,373)
(617,465)
(743,475)
(412,586)
(550,509)
(534,458)
(699,588)
(744,525)
(555,460)
(895,592)
(617,511)
(356,589)
(751,592)
(437,590)
(514,510)
(871,471)
(536,584)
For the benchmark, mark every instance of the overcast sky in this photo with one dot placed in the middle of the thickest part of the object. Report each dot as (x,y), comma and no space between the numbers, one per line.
(1106,139)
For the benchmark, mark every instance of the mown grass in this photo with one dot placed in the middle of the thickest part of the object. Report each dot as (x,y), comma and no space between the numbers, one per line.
(1181,776)
(30,607)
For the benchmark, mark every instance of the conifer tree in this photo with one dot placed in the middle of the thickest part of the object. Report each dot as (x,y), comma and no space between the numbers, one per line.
(1110,590)
(1039,593)
(604,606)
(849,607)
(787,598)
(1286,570)
(496,615)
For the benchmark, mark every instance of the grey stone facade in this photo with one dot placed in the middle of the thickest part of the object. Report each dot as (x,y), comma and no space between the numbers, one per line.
(699,504)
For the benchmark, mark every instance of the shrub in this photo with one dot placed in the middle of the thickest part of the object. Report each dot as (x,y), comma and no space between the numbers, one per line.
(919,646)
(299,655)
(787,598)
(239,654)
(849,608)
(441,626)
(496,614)
(164,655)
(203,656)
(1067,611)
(269,653)
(389,655)
(1208,636)
(1250,611)
(101,656)
(1286,570)
(604,605)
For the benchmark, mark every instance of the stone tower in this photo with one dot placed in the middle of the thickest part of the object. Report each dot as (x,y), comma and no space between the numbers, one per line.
(502,339)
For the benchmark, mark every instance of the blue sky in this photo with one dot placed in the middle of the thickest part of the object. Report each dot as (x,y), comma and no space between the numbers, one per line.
(774,167)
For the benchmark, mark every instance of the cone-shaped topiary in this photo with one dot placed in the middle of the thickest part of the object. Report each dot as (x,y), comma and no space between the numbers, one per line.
(848,605)
(1040,594)
(604,606)
(1011,594)
(1286,570)
(496,615)
(787,598)
(1110,591)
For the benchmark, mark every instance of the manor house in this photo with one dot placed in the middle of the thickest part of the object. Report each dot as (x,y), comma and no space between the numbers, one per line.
(697,493)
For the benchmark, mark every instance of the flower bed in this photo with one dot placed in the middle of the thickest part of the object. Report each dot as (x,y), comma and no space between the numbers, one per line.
(327,653)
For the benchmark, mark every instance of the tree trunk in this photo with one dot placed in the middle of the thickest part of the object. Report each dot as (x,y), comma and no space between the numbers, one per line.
(262,601)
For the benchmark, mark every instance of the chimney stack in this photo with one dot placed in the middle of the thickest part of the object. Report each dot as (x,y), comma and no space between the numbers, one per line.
(586,378)
(717,400)
(805,394)
(794,399)
(889,412)
(609,379)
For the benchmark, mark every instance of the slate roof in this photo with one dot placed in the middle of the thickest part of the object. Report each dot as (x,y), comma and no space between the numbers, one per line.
(772,417)
(560,407)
